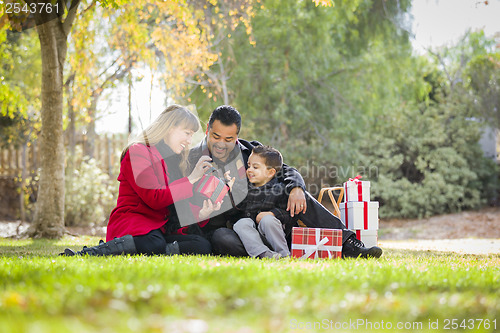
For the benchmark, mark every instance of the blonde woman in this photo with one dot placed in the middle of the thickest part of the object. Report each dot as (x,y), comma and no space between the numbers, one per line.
(152,178)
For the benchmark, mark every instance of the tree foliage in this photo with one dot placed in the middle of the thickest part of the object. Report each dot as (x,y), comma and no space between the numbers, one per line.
(19,88)
(483,79)
(427,161)
(426,151)
(312,77)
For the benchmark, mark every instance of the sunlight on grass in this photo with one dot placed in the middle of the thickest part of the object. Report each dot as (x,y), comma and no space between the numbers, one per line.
(43,292)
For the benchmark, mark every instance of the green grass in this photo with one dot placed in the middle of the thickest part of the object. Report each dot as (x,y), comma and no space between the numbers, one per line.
(41,292)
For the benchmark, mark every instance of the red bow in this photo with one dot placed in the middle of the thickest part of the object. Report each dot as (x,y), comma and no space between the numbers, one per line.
(355,179)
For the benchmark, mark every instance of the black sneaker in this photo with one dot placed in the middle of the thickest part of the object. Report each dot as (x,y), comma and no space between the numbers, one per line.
(69,252)
(354,248)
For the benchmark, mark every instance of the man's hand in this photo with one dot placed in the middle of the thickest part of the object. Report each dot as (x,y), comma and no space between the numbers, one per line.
(296,202)
(261,215)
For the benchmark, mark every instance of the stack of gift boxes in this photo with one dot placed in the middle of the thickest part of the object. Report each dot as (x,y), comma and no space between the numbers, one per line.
(358,213)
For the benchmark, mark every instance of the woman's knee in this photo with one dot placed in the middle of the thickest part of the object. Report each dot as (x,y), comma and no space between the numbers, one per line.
(151,243)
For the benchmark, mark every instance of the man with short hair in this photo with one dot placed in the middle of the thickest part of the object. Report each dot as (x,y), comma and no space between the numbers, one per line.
(230,153)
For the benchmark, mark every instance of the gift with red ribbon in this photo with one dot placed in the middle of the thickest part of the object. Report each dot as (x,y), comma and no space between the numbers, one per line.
(356,190)
(212,188)
(316,243)
(359,214)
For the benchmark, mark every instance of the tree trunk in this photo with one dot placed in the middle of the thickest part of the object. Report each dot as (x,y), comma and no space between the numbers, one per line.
(71,129)
(91,134)
(49,213)
(22,211)
(48,221)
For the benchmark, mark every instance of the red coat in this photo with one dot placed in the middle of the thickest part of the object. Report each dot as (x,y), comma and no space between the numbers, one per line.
(144,193)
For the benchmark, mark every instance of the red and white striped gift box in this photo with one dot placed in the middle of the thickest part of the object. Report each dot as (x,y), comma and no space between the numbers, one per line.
(212,187)
(316,243)
(368,237)
(359,215)
(356,190)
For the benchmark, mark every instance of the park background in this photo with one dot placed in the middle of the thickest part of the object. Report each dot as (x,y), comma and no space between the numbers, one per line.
(341,87)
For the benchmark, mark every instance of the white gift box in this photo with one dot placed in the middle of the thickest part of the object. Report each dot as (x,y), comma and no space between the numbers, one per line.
(359,214)
(368,237)
(356,190)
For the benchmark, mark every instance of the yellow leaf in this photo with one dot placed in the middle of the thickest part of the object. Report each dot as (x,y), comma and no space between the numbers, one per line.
(14,299)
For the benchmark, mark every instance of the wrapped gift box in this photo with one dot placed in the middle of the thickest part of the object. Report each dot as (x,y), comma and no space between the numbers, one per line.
(212,188)
(356,190)
(359,215)
(368,237)
(316,243)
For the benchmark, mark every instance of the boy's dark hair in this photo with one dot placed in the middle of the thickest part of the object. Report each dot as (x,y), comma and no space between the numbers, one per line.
(271,156)
(227,115)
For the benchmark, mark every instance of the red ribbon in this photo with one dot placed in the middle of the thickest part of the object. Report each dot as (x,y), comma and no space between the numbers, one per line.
(345,191)
(365,208)
(346,216)
(360,187)
(356,179)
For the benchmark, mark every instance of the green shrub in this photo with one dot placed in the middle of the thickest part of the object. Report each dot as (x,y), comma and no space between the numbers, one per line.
(90,194)
(428,161)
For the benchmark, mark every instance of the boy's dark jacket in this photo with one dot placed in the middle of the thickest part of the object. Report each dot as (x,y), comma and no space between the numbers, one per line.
(270,197)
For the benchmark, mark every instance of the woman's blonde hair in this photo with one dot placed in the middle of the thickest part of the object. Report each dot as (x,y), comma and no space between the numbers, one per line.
(173,116)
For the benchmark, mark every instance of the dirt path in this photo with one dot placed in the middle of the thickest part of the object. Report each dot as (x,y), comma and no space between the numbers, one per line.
(461,246)
(473,232)
(484,223)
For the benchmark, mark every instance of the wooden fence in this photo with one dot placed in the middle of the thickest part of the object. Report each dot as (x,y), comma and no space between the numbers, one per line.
(107,150)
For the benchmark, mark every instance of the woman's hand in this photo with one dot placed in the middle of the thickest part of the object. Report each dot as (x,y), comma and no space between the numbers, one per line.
(208,208)
(229,179)
(201,166)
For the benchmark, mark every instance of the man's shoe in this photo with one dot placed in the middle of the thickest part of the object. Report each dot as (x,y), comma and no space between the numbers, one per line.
(172,248)
(354,248)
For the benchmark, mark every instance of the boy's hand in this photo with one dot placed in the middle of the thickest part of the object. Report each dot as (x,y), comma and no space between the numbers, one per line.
(261,215)
(229,179)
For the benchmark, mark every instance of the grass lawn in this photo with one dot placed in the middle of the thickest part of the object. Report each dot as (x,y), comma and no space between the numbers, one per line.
(403,291)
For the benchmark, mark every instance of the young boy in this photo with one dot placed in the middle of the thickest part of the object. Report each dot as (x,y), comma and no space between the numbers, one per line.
(264,207)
